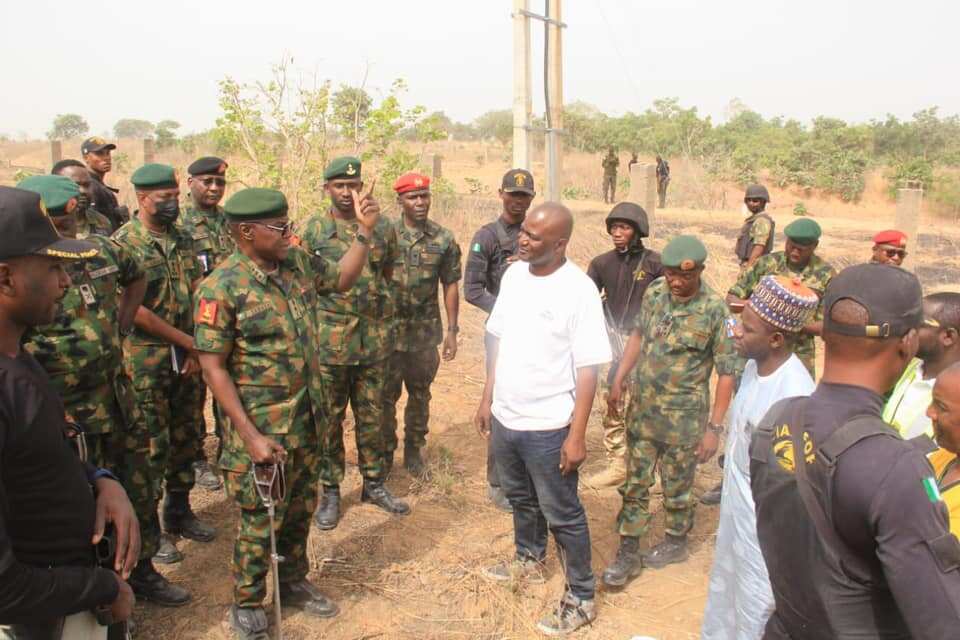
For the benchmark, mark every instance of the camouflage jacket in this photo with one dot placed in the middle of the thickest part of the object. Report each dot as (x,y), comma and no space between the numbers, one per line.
(757,229)
(357,326)
(211,237)
(171,269)
(682,343)
(268,326)
(816,275)
(92,222)
(610,164)
(80,349)
(425,258)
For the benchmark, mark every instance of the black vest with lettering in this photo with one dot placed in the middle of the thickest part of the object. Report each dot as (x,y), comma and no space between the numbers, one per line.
(823,590)
(745,243)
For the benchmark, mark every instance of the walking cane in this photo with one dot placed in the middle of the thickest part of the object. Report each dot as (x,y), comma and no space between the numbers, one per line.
(272,487)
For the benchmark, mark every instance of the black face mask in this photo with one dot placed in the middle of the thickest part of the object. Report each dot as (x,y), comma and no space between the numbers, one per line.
(83,203)
(167,212)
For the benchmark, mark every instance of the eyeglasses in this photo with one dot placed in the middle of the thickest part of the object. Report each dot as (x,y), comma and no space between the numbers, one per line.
(282,229)
(893,253)
(209,182)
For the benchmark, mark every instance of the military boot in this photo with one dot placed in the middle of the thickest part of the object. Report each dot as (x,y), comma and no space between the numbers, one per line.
(328,514)
(206,477)
(179,518)
(628,563)
(713,496)
(167,553)
(148,584)
(413,461)
(673,549)
(248,623)
(612,476)
(375,492)
(305,595)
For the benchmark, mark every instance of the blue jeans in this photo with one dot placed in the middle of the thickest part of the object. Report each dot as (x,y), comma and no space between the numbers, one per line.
(528,463)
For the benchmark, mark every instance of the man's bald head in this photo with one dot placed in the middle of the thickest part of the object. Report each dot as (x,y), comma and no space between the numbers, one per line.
(557,219)
(544,235)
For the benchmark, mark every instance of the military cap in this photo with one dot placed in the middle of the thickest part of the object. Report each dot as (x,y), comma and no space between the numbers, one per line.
(685,253)
(207,166)
(803,231)
(154,176)
(891,237)
(55,191)
(411,182)
(891,296)
(26,229)
(255,203)
(518,181)
(95,143)
(632,214)
(784,303)
(342,167)
(757,191)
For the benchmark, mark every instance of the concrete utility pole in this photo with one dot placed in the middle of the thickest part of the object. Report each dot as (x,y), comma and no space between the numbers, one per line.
(522,100)
(554,93)
(907,218)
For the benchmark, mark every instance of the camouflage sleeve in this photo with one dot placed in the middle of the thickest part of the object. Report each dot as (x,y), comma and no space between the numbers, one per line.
(130,270)
(744,285)
(760,231)
(392,252)
(725,358)
(326,274)
(214,317)
(643,317)
(451,269)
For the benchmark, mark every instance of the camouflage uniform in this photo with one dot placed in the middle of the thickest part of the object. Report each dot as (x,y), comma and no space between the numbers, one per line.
(81,352)
(816,275)
(670,402)
(92,222)
(756,230)
(172,404)
(424,259)
(268,326)
(610,164)
(355,331)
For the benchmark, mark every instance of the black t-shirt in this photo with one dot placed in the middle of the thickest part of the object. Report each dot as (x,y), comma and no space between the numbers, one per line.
(47,506)
(616,274)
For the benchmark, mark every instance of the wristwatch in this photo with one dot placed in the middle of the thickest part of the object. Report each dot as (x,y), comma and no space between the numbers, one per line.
(362,239)
(717,428)
(453,329)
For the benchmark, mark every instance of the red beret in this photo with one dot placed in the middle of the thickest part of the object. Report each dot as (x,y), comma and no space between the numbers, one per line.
(411,182)
(892,237)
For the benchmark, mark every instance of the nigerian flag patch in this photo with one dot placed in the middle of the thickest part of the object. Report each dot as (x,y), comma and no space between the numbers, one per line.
(476,247)
(933,491)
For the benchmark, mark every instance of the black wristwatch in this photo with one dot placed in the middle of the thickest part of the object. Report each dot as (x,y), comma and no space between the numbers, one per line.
(362,238)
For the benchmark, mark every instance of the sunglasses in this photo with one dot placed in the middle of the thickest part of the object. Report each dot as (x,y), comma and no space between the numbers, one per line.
(282,229)
(209,182)
(893,253)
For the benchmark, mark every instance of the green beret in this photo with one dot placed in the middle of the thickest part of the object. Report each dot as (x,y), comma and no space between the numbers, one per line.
(685,253)
(803,231)
(155,176)
(255,204)
(342,167)
(55,191)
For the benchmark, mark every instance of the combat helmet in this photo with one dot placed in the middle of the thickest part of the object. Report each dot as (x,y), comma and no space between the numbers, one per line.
(757,191)
(631,214)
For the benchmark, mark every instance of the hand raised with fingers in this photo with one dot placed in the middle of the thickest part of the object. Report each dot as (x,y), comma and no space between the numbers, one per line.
(365,207)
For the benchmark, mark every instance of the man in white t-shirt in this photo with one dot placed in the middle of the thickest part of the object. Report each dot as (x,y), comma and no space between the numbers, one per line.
(549,342)
(740,599)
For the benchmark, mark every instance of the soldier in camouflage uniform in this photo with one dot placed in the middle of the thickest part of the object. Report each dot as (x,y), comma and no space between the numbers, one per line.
(159,355)
(256,330)
(204,222)
(679,337)
(428,255)
(81,352)
(610,164)
(356,332)
(89,220)
(756,234)
(797,260)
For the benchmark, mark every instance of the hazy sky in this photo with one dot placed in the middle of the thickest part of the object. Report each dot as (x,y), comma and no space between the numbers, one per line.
(157,60)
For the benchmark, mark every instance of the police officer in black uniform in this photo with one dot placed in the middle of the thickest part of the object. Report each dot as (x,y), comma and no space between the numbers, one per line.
(96,154)
(492,250)
(852,528)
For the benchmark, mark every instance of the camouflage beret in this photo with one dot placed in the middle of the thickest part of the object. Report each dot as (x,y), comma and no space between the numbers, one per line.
(342,167)
(155,176)
(55,191)
(255,203)
(685,253)
(803,231)
(208,166)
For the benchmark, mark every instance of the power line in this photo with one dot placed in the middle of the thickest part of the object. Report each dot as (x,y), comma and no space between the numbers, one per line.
(616,47)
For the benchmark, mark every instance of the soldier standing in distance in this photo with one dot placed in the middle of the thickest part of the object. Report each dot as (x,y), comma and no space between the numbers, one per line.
(610,164)
(428,256)
(663,180)
(492,250)
(679,338)
(204,222)
(160,359)
(354,336)
(256,332)
(756,234)
(96,154)
(89,220)
(622,275)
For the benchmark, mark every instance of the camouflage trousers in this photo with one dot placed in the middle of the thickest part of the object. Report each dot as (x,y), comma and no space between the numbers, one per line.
(416,371)
(609,187)
(614,427)
(251,550)
(677,464)
(217,432)
(360,386)
(170,413)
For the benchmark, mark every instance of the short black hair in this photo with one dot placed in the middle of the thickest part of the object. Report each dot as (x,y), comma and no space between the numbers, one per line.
(946,308)
(63,164)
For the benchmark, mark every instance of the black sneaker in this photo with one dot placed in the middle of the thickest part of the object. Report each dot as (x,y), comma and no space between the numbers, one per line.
(672,550)
(526,570)
(570,615)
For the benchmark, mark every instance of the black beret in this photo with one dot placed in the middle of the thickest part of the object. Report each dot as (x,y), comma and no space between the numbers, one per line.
(208,166)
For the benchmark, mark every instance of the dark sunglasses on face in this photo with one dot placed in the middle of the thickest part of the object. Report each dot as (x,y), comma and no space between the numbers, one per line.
(282,229)
(893,253)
